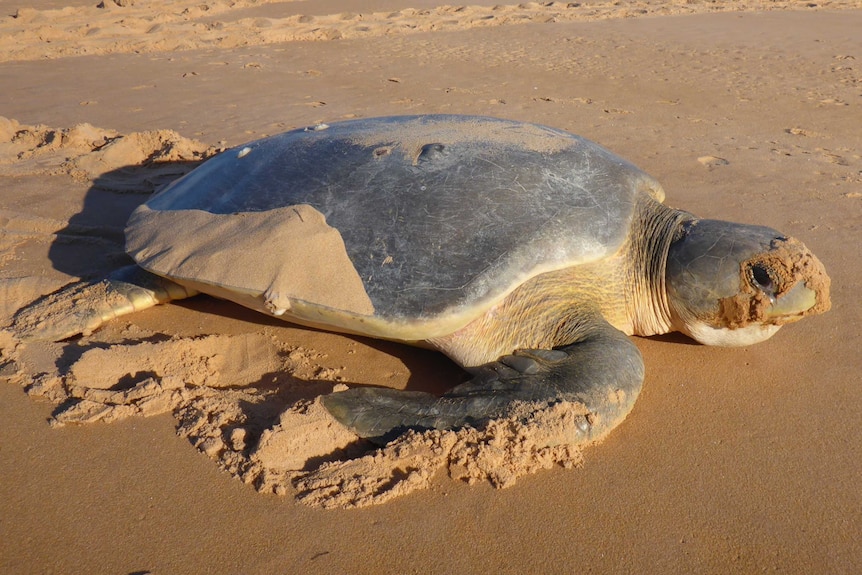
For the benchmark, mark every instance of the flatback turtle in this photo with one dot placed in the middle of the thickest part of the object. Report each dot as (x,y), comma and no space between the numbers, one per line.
(524,253)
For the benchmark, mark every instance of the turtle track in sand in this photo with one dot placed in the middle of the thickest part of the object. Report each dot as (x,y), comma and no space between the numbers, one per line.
(117,26)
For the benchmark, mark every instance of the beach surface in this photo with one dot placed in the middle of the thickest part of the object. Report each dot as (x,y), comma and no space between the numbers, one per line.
(166,441)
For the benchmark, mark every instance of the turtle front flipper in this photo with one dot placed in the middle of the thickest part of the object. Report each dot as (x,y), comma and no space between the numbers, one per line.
(82,307)
(603,371)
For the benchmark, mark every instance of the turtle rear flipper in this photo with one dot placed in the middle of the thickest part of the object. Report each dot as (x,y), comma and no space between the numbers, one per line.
(82,307)
(603,371)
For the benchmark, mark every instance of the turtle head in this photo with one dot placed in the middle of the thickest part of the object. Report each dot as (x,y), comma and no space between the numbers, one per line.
(732,284)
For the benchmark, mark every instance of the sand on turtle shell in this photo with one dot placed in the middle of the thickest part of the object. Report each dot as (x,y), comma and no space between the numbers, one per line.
(201,250)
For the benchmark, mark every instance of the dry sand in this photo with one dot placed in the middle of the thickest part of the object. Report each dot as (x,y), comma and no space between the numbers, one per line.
(732,461)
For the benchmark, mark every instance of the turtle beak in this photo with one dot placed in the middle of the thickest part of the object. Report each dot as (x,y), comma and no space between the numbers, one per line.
(792,305)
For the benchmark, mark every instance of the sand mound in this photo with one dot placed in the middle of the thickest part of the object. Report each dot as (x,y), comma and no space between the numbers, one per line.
(253,406)
(87,153)
(536,438)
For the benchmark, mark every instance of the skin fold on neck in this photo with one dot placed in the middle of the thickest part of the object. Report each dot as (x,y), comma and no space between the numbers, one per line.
(559,308)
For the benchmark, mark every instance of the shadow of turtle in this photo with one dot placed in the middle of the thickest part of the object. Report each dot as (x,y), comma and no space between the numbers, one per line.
(92,243)
(430,370)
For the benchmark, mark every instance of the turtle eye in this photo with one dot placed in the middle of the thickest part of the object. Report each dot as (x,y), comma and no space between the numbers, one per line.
(761,279)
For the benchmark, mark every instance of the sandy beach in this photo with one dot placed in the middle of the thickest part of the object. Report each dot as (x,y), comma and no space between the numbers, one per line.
(733,461)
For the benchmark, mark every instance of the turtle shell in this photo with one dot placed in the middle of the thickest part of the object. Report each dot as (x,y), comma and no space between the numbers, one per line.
(403,227)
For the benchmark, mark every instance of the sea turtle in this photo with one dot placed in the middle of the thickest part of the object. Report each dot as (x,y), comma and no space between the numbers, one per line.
(524,253)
